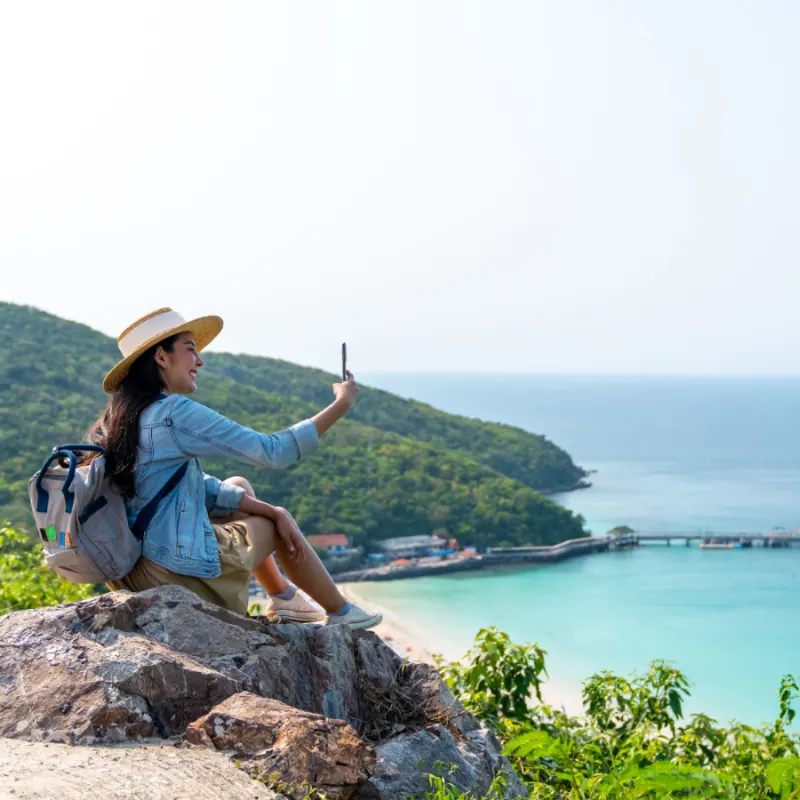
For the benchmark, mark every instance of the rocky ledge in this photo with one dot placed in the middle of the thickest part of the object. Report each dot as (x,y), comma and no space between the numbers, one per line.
(294,706)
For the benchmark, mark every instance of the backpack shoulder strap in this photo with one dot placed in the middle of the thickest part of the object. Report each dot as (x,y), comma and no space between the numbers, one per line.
(148,512)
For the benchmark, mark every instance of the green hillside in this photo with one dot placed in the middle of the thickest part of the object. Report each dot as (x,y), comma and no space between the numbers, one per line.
(518,454)
(393,467)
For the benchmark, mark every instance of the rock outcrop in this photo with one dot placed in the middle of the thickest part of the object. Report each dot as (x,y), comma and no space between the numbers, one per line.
(327,707)
(286,746)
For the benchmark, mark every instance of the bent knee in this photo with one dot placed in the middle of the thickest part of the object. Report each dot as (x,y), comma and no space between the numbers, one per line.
(263,537)
(243,483)
(260,527)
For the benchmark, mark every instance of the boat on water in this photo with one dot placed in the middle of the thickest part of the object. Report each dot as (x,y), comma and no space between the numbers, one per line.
(720,545)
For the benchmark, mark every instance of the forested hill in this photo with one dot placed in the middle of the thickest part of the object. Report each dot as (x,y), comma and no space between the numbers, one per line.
(518,454)
(392,467)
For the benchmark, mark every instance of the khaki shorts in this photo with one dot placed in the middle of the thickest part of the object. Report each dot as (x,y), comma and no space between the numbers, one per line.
(230,590)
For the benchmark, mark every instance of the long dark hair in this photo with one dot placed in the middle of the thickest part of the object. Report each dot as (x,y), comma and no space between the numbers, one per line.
(117,428)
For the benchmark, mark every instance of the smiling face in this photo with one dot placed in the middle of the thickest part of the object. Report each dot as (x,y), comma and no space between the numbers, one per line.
(179,368)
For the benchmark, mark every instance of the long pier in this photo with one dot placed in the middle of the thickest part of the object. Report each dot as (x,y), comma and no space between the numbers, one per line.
(499,556)
(555,552)
(768,539)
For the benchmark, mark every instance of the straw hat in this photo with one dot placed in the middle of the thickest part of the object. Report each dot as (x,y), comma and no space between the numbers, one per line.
(152,329)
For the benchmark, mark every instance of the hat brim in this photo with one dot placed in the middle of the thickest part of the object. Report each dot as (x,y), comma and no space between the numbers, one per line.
(204,330)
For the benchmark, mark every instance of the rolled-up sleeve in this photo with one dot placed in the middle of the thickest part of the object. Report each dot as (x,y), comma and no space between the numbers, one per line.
(199,431)
(306,436)
(222,498)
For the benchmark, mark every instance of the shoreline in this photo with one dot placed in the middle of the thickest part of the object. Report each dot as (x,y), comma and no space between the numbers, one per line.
(414,644)
(498,557)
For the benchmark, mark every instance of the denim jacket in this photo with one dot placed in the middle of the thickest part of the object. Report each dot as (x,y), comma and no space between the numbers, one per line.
(175,429)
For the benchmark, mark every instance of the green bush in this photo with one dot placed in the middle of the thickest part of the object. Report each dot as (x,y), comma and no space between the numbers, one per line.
(631,742)
(496,679)
(25,581)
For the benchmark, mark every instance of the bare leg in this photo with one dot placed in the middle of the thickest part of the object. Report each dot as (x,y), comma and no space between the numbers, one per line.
(267,573)
(304,567)
(309,573)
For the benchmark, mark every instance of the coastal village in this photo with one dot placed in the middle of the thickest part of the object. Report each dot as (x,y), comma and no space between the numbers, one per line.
(395,553)
(395,557)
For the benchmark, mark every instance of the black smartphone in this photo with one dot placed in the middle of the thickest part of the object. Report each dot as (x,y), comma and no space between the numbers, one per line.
(344,361)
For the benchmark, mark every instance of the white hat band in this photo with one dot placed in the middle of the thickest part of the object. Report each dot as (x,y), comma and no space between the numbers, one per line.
(147,330)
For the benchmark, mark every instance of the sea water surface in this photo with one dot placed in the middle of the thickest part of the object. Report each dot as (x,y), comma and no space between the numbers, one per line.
(671,454)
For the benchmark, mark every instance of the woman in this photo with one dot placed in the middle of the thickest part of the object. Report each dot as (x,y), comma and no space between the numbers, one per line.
(150,428)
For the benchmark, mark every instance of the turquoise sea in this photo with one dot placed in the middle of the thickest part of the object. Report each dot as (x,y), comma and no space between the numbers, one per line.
(671,454)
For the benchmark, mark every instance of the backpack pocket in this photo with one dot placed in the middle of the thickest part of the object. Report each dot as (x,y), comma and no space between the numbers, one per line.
(104,536)
(71,565)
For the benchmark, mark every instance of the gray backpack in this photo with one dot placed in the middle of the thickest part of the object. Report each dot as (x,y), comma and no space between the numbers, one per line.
(81,519)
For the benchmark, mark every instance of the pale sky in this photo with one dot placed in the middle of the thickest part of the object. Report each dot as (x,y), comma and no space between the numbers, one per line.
(516,186)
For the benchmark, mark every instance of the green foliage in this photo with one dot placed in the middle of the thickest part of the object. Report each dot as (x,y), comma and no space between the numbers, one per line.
(632,740)
(25,582)
(295,791)
(442,789)
(621,530)
(526,457)
(625,705)
(255,609)
(497,678)
(783,776)
(392,468)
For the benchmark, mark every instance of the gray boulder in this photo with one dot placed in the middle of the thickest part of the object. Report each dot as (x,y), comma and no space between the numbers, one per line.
(469,761)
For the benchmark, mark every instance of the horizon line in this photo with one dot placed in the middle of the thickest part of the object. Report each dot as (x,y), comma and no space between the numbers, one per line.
(498,373)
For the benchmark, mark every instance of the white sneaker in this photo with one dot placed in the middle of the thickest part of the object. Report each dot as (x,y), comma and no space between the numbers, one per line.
(356,618)
(298,609)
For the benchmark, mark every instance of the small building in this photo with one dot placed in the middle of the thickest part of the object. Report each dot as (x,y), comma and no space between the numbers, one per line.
(333,543)
(410,546)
